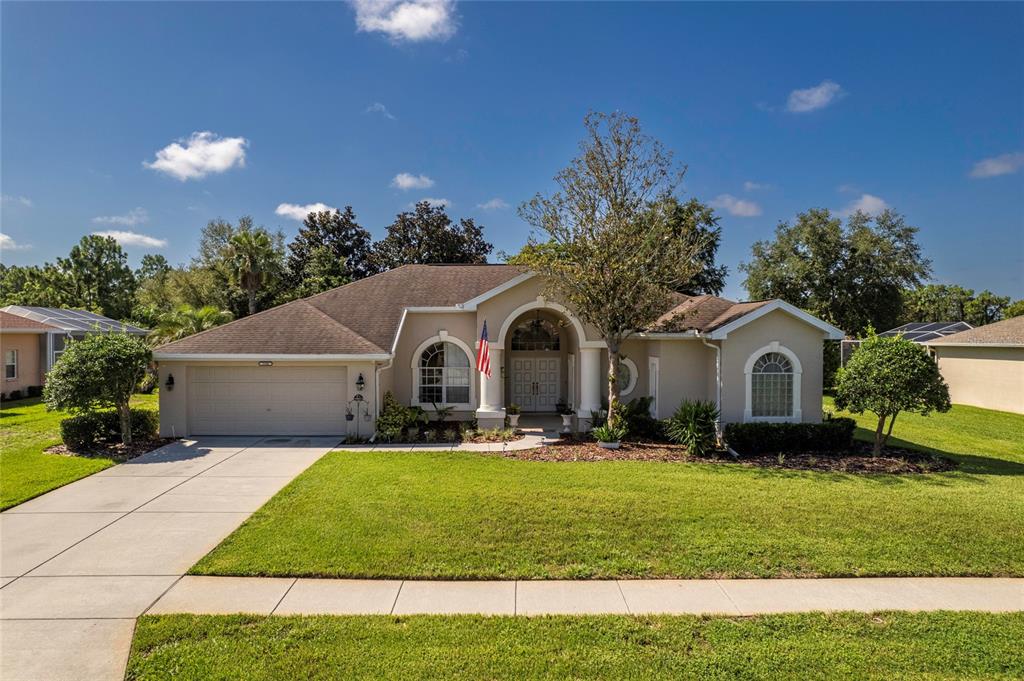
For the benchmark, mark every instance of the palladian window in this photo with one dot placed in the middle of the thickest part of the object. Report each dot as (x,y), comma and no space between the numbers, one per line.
(771,386)
(444,375)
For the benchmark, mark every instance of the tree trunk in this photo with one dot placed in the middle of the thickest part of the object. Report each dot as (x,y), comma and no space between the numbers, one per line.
(125,411)
(252,300)
(613,382)
(878,436)
(888,432)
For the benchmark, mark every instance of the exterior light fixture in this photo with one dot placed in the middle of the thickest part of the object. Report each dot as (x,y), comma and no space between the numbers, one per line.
(170,382)
(360,383)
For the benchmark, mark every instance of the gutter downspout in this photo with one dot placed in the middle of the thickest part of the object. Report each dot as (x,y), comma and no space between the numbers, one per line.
(376,392)
(718,381)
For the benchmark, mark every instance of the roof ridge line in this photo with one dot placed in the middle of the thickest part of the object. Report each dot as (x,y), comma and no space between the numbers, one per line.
(323,314)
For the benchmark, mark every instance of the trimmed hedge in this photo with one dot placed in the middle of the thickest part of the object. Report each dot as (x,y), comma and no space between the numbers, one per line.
(831,435)
(91,428)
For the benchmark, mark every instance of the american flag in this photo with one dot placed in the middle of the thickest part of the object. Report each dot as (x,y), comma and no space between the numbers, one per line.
(483,354)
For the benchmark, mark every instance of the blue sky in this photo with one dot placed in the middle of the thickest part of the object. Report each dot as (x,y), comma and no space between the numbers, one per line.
(774,108)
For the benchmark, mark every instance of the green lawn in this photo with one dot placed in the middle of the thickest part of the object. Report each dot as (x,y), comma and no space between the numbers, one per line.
(26,429)
(808,646)
(462,516)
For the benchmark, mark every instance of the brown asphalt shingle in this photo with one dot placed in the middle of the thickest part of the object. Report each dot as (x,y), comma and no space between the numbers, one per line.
(363,317)
(1007,332)
(13,321)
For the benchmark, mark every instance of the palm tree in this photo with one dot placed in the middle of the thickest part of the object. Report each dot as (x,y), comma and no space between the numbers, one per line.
(253,261)
(186,320)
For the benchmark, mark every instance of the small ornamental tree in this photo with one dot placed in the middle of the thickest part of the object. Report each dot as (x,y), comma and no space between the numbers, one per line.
(99,371)
(886,376)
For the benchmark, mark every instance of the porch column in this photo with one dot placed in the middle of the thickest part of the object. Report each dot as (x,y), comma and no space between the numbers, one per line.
(590,382)
(491,413)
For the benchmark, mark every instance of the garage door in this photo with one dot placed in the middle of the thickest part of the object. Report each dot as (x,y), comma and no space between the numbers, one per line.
(275,400)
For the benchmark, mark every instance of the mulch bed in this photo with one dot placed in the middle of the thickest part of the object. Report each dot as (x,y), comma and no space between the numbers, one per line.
(893,460)
(113,450)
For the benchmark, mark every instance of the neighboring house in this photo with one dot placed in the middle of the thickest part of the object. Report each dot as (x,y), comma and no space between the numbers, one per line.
(302,367)
(917,332)
(33,338)
(984,366)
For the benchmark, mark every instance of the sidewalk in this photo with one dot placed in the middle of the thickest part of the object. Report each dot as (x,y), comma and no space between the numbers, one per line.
(289,596)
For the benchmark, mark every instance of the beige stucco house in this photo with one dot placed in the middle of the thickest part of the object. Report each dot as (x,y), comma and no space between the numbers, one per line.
(984,366)
(321,365)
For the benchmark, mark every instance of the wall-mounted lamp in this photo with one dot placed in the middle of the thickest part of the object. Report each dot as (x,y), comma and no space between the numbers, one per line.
(360,383)
(170,382)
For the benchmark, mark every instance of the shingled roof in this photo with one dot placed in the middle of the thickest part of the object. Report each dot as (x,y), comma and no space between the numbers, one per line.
(362,318)
(358,318)
(1007,332)
(13,322)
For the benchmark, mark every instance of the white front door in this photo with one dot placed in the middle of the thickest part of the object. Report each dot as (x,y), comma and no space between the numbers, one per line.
(535,383)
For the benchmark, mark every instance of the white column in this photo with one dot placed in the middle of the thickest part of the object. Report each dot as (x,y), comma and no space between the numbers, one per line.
(590,382)
(491,413)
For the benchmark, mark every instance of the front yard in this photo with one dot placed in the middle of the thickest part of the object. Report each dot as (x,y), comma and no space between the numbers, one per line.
(464,516)
(806,646)
(26,429)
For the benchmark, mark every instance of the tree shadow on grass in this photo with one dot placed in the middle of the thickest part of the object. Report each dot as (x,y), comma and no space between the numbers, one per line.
(9,409)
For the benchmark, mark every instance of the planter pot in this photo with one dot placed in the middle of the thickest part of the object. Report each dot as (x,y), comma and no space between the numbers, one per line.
(513,420)
(609,445)
(566,423)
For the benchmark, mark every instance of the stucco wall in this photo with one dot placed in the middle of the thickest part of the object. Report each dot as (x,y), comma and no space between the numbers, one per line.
(992,378)
(802,339)
(29,374)
(417,329)
(683,368)
(174,403)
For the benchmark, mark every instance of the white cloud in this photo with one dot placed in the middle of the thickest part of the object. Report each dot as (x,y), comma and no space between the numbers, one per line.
(133,238)
(412,20)
(749,186)
(814,98)
(741,208)
(1004,164)
(23,200)
(201,154)
(436,203)
(867,203)
(377,107)
(297,212)
(494,204)
(136,216)
(407,181)
(9,244)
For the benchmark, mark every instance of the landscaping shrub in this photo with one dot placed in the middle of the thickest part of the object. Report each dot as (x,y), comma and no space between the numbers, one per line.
(15,395)
(91,428)
(694,425)
(608,433)
(34,390)
(831,435)
(147,385)
(635,417)
(395,418)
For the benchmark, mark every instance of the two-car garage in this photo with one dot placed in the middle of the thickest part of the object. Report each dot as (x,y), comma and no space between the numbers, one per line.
(266,400)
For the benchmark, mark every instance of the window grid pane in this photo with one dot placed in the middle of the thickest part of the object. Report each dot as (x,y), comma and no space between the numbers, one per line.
(445,375)
(772,394)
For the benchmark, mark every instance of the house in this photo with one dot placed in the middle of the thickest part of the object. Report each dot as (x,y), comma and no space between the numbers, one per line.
(916,332)
(33,338)
(321,365)
(984,366)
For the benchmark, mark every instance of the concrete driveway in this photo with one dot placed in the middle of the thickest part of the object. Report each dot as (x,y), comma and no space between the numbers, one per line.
(80,563)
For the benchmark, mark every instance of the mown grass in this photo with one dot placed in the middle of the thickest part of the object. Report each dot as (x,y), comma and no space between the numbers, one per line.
(940,645)
(465,516)
(26,429)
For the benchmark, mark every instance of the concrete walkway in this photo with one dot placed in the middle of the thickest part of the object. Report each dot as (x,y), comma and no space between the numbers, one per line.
(536,433)
(80,563)
(266,596)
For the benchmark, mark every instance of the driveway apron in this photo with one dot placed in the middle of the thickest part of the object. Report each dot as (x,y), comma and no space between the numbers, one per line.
(80,563)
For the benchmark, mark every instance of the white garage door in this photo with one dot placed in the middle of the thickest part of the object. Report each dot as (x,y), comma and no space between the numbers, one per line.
(275,400)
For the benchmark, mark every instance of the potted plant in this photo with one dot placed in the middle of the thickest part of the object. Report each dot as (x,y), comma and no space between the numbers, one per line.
(567,413)
(609,437)
(513,411)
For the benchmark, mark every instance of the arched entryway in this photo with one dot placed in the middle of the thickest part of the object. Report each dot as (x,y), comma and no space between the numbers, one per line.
(540,352)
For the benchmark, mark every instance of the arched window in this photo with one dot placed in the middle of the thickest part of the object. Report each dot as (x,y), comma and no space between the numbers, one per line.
(444,374)
(771,386)
(536,335)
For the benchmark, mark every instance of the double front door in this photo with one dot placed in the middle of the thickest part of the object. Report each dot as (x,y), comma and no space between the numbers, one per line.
(535,383)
